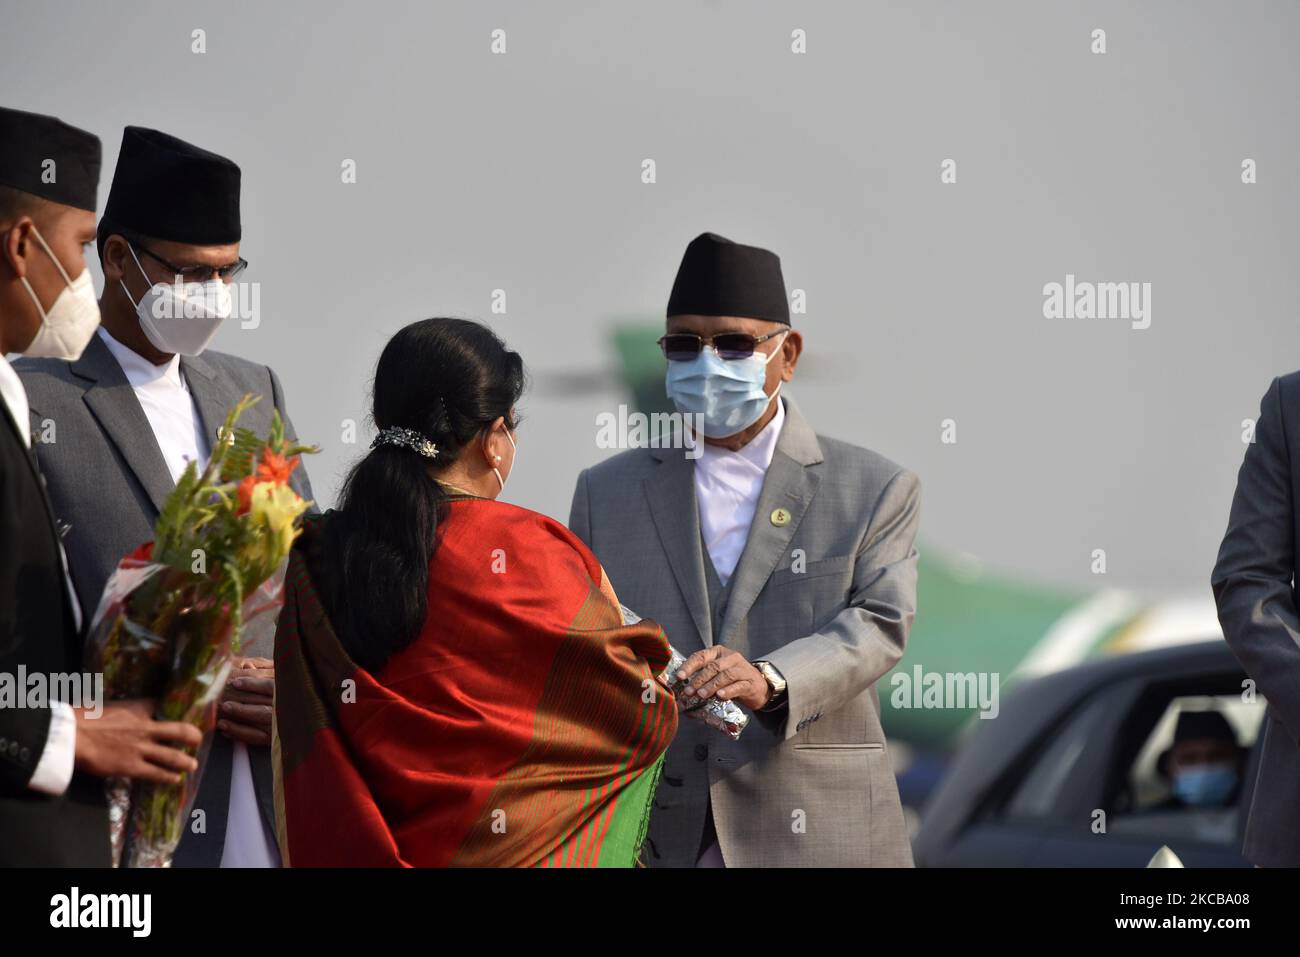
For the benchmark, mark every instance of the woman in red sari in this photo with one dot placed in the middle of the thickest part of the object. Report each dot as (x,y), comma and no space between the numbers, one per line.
(454,681)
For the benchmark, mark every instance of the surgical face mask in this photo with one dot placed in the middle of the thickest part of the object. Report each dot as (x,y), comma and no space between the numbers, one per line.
(497,472)
(1205,785)
(71,321)
(181,318)
(727,393)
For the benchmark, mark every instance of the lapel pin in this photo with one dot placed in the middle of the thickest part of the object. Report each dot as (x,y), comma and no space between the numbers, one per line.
(780,517)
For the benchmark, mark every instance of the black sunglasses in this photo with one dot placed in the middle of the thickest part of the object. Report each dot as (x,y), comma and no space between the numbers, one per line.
(200,273)
(685,346)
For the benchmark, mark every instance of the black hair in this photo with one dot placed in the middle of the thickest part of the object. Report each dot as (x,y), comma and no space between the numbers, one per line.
(448,379)
(107,227)
(16,202)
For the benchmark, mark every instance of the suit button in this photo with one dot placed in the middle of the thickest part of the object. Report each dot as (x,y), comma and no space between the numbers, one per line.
(23,755)
(701,752)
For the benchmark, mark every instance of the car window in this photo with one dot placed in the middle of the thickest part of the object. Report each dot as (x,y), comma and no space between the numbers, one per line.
(1186,780)
(1039,794)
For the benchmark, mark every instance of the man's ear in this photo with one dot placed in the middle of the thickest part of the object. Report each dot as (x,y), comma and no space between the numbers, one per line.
(791,349)
(17,246)
(117,256)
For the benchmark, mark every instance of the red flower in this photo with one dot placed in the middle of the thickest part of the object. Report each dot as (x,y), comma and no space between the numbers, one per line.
(275,467)
(143,553)
(245,492)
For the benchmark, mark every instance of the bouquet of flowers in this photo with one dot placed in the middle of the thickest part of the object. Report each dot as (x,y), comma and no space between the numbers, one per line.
(169,621)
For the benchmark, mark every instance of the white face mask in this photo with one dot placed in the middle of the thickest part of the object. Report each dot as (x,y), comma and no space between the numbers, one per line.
(497,472)
(181,318)
(71,321)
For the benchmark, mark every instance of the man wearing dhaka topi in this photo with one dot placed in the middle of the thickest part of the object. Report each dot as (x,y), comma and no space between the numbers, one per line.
(781,562)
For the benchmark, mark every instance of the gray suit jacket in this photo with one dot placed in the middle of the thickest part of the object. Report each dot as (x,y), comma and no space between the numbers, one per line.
(107,480)
(810,784)
(1254,586)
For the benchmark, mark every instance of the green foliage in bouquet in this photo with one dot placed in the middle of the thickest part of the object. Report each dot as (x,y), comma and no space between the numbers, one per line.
(234,523)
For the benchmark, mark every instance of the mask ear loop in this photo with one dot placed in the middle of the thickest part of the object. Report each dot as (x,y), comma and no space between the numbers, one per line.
(32,292)
(772,355)
(780,382)
(49,252)
(496,471)
(767,356)
(122,282)
(57,265)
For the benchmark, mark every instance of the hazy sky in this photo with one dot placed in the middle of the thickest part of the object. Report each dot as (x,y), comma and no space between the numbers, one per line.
(522,172)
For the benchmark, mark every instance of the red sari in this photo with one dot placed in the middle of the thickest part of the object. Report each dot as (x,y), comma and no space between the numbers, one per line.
(525,725)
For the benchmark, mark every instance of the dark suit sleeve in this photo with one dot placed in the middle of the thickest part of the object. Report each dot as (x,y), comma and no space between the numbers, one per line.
(300,481)
(1252,578)
(580,511)
(23,731)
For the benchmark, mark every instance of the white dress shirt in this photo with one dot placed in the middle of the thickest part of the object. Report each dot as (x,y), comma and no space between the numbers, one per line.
(53,771)
(165,398)
(727,486)
(15,399)
(169,406)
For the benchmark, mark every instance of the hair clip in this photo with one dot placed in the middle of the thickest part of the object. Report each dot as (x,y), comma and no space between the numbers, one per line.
(407,438)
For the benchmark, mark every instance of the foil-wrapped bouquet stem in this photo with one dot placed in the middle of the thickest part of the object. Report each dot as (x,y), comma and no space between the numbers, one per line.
(726,716)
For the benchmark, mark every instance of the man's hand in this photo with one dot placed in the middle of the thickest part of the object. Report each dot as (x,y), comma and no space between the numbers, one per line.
(248,702)
(719,672)
(125,741)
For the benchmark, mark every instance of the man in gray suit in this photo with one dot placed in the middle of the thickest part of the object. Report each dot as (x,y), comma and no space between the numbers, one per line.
(1254,587)
(783,564)
(118,426)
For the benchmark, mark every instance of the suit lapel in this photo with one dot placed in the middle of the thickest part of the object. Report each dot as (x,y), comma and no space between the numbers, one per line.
(671,491)
(33,466)
(113,403)
(791,482)
(213,395)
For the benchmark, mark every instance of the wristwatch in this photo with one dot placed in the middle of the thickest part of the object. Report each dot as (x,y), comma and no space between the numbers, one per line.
(775,681)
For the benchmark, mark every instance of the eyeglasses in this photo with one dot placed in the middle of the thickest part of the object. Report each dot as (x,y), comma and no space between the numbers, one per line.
(685,346)
(200,273)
